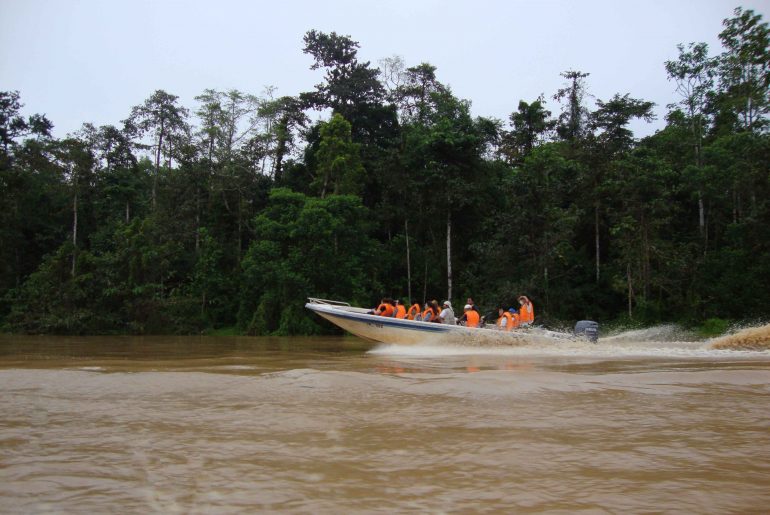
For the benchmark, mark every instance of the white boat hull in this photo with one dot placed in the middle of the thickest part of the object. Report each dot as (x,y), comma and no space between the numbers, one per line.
(412,332)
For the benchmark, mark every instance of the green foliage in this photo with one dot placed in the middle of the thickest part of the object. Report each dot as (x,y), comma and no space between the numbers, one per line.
(303,247)
(713,327)
(339,162)
(157,226)
(52,300)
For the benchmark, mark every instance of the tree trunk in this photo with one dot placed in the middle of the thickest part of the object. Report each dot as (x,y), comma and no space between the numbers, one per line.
(74,230)
(128,211)
(449,255)
(157,166)
(701,215)
(408,262)
(240,226)
(630,291)
(326,183)
(697,129)
(596,240)
(280,149)
(17,270)
(197,220)
(425,282)
(646,268)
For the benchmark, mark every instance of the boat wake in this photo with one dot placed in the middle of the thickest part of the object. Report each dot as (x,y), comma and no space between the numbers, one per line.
(750,338)
(659,341)
(658,333)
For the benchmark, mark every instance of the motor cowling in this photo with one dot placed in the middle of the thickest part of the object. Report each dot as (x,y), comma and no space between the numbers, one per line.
(587,329)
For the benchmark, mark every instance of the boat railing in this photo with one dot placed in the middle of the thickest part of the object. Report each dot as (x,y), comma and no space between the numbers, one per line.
(314,300)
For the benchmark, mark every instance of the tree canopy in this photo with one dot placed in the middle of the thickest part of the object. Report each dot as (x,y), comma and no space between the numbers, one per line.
(380,182)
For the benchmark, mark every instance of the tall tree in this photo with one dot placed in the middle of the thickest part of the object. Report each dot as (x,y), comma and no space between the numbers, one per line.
(339,162)
(744,68)
(14,126)
(417,95)
(574,117)
(283,117)
(77,163)
(611,119)
(531,123)
(161,116)
(351,88)
(693,73)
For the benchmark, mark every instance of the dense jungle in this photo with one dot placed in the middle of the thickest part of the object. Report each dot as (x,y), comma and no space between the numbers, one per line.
(224,216)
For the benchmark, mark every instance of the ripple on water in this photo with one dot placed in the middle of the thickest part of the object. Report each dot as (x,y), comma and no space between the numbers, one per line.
(464,430)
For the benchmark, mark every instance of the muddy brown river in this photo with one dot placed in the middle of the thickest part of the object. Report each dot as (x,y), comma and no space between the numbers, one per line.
(634,424)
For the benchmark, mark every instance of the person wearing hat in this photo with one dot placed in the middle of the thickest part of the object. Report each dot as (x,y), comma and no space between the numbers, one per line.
(471,316)
(447,316)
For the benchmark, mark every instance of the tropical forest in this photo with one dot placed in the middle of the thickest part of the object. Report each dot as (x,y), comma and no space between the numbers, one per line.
(224,216)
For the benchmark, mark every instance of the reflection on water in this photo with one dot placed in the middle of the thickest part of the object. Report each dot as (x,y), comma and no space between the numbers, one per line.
(330,425)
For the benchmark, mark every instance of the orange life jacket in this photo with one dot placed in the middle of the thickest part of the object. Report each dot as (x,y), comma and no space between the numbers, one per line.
(527,313)
(386,310)
(400,311)
(515,320)
(471,318)
(413,311)
(425,314)
(509,321)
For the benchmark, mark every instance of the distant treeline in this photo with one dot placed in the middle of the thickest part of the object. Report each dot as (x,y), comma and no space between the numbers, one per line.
(230,215)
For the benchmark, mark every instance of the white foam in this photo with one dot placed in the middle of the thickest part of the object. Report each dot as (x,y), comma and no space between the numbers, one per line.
(605,348)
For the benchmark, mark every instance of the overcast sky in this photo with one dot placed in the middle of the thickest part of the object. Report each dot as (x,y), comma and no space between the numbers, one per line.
(90,61)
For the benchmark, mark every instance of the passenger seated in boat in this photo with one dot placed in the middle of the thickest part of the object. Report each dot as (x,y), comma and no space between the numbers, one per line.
(436,311)
(515,321)
(427,315)
(447,315)
(414,312)
(400,310)
(504,320)
(526,312)
(470,316)
(385,309)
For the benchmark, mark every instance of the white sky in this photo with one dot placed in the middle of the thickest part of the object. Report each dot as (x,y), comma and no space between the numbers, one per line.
(90,61)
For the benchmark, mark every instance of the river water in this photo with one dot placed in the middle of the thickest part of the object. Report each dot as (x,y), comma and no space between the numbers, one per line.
(634,424)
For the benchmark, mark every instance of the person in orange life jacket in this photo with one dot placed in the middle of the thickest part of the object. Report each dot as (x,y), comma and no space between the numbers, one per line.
(400,310)
(385,309)
(470,316)
(515,321)
(436,311)
(414,311)
(504,320)
(526,312)
(427,315)
(464,317)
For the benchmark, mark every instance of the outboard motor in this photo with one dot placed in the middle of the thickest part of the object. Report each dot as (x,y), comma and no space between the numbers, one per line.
(587,329)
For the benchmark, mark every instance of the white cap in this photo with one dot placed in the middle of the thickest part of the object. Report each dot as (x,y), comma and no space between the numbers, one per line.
(468,306)
(447,303)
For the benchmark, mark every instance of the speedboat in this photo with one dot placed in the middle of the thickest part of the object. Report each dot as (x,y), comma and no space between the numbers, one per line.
(362,323)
